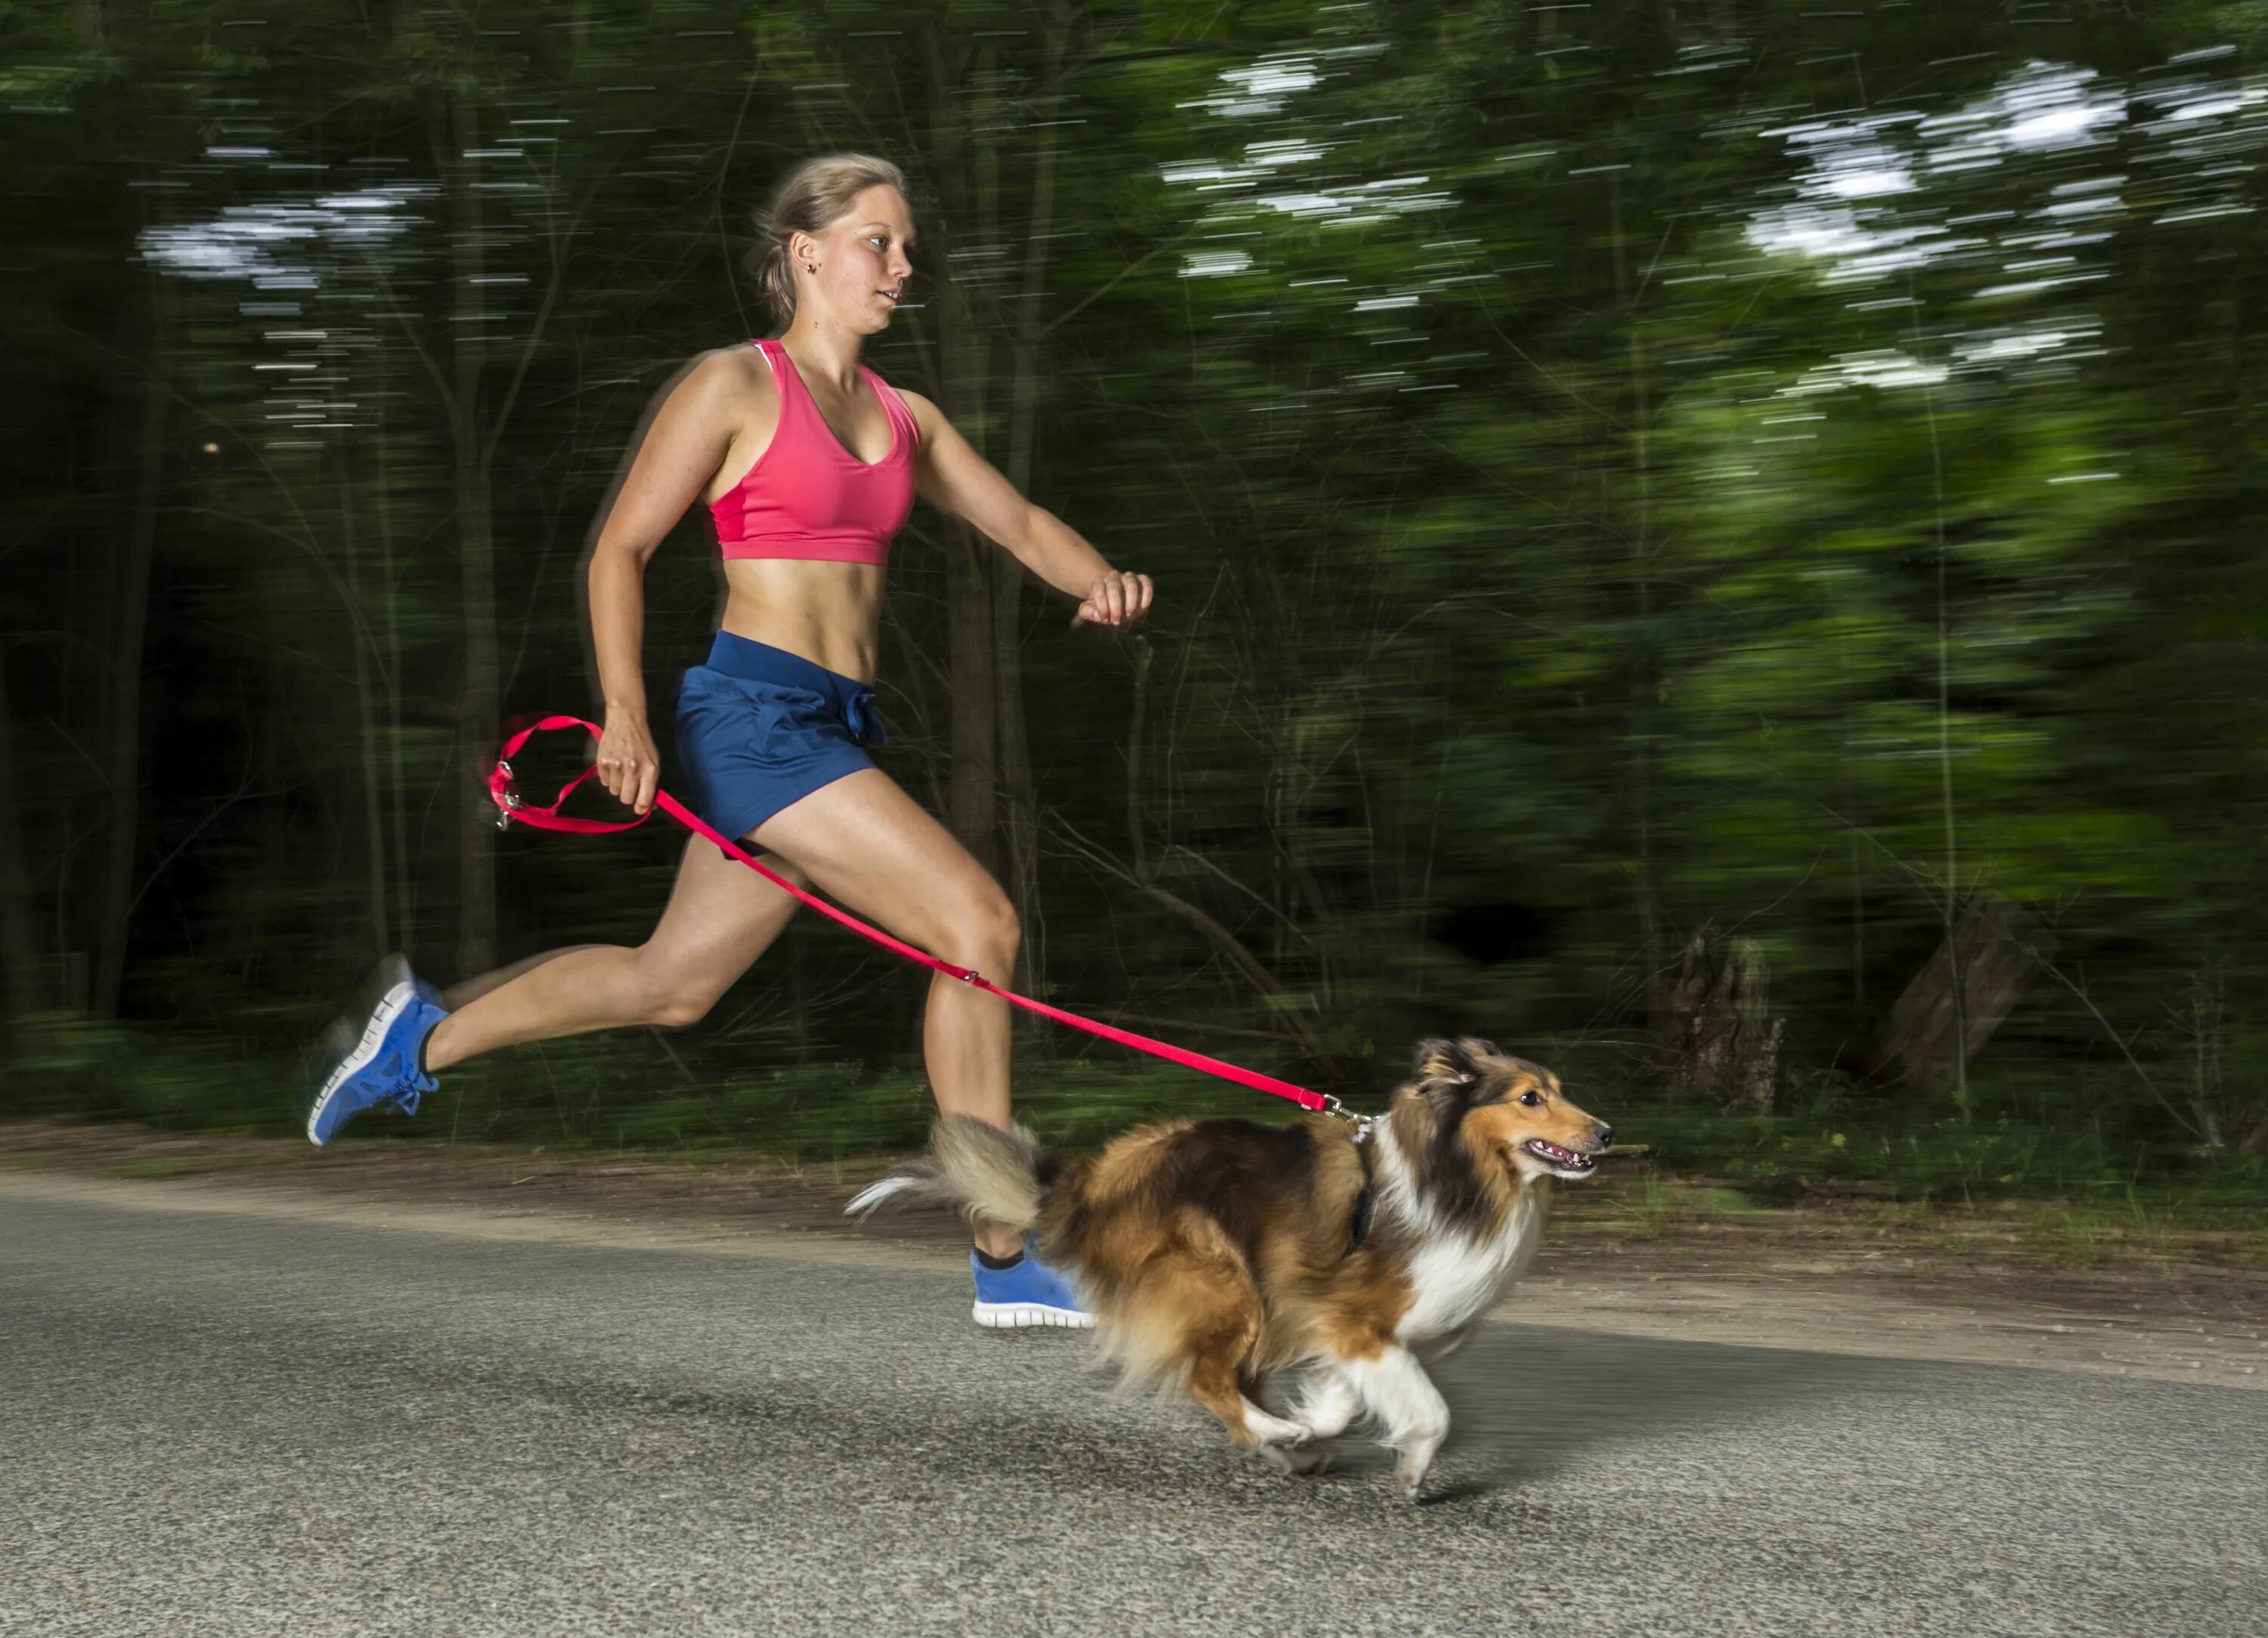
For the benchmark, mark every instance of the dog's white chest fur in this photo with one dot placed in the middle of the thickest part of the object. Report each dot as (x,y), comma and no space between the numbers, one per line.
(1457,1276)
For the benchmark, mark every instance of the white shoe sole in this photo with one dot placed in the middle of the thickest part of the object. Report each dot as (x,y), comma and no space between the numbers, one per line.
(374,1035)
(1024,1316)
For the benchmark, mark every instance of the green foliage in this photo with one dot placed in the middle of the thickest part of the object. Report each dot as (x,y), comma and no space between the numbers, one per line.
(67,1065)
(1608,470)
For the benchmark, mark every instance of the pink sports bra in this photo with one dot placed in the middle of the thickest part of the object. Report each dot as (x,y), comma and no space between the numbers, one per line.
(807,497)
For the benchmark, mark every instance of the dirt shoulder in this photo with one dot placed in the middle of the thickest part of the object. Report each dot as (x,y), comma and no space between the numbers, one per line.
(1643,1256)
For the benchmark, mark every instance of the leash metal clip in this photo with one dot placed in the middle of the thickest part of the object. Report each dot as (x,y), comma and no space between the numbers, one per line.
(1361,1123)
(510,799)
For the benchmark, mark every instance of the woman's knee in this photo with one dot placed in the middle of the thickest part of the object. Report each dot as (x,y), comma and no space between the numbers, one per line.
(984,930)
(673,999)
(678,1009)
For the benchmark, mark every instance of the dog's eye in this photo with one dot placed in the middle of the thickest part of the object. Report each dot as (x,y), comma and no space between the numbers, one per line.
(1531,1098)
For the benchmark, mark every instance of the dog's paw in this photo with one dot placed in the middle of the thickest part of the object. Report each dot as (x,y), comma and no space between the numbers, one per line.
(1297,1461)
(1272,1432)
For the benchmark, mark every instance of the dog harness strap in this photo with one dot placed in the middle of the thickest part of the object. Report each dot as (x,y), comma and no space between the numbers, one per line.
(511,805)
(1366,1204)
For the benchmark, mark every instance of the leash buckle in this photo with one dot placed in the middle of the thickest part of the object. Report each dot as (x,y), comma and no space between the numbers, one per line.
(507,799)
(1362,1124)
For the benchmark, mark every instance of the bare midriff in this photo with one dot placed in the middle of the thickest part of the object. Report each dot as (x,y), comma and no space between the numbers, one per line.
(830,613)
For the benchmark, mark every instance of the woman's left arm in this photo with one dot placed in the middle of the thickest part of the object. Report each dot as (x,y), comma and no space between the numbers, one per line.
(956,478)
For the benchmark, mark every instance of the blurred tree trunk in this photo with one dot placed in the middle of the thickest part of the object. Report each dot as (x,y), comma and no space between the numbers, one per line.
(1967,989)
(1716,1025)
(964,360)
(455,129)
(124,769)
(975,705)
(19,948)
(1645,682)
(397,778)
(366,708)
(1020,804)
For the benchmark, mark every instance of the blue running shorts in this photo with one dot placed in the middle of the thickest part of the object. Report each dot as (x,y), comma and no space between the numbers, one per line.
(759,728)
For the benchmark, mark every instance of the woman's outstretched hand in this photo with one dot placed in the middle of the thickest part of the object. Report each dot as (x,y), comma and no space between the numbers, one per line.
(628,766)
(1116,599)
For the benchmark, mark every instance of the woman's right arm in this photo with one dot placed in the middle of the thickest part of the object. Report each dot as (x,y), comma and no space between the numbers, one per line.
(682,448)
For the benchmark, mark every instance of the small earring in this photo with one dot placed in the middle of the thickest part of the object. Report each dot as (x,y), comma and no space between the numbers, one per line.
(807,268)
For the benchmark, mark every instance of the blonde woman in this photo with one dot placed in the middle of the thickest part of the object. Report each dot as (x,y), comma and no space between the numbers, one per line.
(808,462)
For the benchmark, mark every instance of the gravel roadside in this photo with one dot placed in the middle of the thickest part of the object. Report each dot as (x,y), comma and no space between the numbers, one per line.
(1833,1278)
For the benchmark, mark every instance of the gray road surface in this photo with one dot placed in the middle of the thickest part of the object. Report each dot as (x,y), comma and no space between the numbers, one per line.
(219,1424)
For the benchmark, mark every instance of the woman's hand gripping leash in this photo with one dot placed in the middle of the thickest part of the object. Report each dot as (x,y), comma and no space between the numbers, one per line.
(628,765)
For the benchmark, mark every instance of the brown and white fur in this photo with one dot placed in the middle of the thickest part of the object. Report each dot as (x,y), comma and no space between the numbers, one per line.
(1218,1254)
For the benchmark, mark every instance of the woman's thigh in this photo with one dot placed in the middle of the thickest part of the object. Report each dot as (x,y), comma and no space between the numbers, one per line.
(720,917)
(866,843)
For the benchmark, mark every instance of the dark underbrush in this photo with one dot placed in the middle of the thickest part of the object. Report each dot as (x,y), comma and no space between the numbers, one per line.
(2029,1137)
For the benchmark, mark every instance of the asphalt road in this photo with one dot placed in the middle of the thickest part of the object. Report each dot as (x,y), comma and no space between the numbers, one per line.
(223,1424)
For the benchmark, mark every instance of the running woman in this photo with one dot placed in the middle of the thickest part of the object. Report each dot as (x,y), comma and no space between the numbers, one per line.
(809,463)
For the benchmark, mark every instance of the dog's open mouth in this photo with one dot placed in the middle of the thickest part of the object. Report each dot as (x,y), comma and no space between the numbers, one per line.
(1565,1162)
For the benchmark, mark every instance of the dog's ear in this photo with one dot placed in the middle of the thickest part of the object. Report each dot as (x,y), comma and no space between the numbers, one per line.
(1447,1063)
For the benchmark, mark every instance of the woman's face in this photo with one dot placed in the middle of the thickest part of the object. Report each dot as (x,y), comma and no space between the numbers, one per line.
(862,261)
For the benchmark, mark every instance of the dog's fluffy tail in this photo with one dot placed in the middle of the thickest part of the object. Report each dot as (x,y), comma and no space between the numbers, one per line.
(987,1174)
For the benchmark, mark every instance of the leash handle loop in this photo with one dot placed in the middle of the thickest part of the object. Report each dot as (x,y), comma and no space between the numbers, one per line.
(511,805)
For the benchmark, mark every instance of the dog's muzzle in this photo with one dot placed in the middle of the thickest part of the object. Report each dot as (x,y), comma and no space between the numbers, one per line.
(1565,1162)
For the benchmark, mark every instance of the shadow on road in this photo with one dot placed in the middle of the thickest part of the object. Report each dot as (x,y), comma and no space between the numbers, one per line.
(1522,1398)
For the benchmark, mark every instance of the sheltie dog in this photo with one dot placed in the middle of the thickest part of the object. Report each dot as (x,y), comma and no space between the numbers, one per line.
(1220,1255)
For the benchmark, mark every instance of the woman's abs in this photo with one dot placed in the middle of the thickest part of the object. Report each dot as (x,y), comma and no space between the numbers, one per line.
(830,613)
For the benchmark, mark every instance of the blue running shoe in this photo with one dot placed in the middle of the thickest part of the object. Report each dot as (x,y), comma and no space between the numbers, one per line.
(385,1068)
(1027,1293)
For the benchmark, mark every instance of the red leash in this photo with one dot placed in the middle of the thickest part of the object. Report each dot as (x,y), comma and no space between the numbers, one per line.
(513,806)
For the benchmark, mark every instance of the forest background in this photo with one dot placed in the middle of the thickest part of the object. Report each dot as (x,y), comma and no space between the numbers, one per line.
(1708,543)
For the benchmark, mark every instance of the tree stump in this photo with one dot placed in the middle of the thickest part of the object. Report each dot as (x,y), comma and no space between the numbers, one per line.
(2248,1133)
(1717,1031)
(1998,948)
